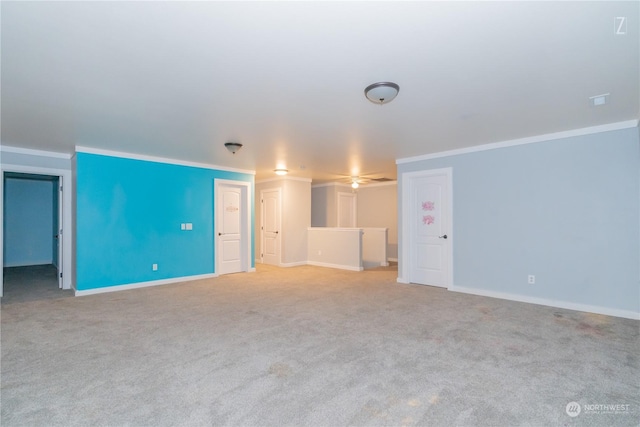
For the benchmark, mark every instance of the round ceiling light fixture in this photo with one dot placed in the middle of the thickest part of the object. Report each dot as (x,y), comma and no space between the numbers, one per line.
(281,171)
(382,92)
(233,147)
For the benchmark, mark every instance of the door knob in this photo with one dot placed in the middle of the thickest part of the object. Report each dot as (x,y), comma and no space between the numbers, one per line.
(276,232)
(220,234)
(444,236)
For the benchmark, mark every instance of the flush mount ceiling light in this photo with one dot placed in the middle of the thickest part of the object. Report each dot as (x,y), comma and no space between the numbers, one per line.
(233,147)
(382,92)
(281,171)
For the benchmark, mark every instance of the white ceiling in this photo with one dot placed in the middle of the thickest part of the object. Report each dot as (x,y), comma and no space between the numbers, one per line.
(286,79)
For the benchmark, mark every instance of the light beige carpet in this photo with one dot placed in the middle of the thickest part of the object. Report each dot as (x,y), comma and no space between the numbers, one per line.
(310,346)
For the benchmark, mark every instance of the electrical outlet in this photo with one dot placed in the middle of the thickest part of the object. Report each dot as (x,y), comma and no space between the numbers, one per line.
(531,279)
(154,267)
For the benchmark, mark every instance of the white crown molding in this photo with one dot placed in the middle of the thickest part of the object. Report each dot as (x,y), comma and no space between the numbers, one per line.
(522,141)
(284,178)
(367,185)
(89,150)
(331,184)
(31,152)
(336,229)
(378,184)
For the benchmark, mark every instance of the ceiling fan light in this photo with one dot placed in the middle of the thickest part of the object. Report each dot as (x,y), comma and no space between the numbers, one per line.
(355,184)
(382,92)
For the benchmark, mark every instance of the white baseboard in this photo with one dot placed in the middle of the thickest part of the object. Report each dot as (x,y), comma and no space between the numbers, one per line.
(285,264)
(341,267)
(392,259)
(292,264)
(402,280)
(28,264)
(548,302)
(142,284)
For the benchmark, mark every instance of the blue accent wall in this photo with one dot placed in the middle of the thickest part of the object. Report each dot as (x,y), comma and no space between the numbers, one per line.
(567,211)
(128,216)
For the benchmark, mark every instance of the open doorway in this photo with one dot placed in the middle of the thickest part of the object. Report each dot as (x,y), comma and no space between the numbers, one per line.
(32,240)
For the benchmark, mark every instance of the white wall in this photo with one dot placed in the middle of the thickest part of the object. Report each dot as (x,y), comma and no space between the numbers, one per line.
(377,207)
(295,218)
(34,158)
(565,210)
(324,210)
(374,247)
(335,247)
(319,206)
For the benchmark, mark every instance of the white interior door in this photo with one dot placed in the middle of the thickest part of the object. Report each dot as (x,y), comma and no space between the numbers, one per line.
(430,254)
(229,227)
(271,226)
(346,209)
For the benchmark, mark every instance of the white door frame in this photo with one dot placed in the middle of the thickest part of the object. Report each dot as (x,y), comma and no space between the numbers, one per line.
(59,231)
(408,179)
(245,207)
(65,219)
(279,238)
(354,212)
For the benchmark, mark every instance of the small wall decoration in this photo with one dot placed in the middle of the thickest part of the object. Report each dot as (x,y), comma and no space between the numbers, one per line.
(428,206)
(428,219)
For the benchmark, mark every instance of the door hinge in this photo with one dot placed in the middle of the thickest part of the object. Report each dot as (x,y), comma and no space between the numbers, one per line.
(61,275)
(61,188)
